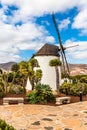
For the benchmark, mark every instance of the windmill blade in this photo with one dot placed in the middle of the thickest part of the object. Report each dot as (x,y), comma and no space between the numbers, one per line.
(67,66)
(62,60)
(57,30)
(70,46)
(61,46)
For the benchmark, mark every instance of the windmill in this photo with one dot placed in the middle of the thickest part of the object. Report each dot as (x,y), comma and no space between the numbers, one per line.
(62,49)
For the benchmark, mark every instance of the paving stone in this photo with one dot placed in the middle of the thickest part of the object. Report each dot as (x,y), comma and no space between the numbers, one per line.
(52,115)
(67,129)
(75,115)
(47,119)
(44,117)
(72,122)
(48,128)
(23,129)
(36,123)
(58,128)
(85,123)
(85,112)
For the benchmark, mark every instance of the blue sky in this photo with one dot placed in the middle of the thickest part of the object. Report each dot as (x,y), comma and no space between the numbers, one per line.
(25,26)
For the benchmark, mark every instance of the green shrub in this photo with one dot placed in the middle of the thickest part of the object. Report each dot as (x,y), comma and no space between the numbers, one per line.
(42,94)
(16,89)
(2,94)
(1,86)
(78,78)
(65,88)
(81,87)
(32,97)
(5,126)
(83,79)
(73,89)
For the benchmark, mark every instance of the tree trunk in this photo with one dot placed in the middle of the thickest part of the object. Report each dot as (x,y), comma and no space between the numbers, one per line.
(5,80)
(57,78)
(31,82)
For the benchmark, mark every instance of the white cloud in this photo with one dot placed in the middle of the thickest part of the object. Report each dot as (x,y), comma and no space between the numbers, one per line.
(30,35)
(64,24)
(76,52)
(6,57)
(80,20)
(37,8)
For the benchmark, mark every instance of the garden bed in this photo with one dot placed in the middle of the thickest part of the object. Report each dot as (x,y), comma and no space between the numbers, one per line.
(12,95)
(73,98)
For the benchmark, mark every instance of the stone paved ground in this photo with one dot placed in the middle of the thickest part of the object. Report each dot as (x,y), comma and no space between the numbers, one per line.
(44,117)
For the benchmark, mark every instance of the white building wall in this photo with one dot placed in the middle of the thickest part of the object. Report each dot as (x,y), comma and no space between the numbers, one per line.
(49,74)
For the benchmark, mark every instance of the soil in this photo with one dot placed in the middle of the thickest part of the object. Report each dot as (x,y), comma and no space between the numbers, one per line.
(73,98)
(12,95)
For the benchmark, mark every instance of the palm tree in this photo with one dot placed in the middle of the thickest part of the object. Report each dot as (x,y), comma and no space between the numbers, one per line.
(1,71)
(27,68)
(55,63)
(5,80)
(24,70)
(32,73)
(15,70)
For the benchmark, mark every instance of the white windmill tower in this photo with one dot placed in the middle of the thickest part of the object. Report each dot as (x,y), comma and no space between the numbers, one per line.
(44,55)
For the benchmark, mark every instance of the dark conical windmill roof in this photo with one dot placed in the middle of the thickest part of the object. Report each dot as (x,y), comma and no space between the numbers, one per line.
(48,49)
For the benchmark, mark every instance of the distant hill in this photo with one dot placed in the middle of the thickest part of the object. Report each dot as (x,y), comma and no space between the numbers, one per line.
(75,69)
(7,66)
(78,69)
